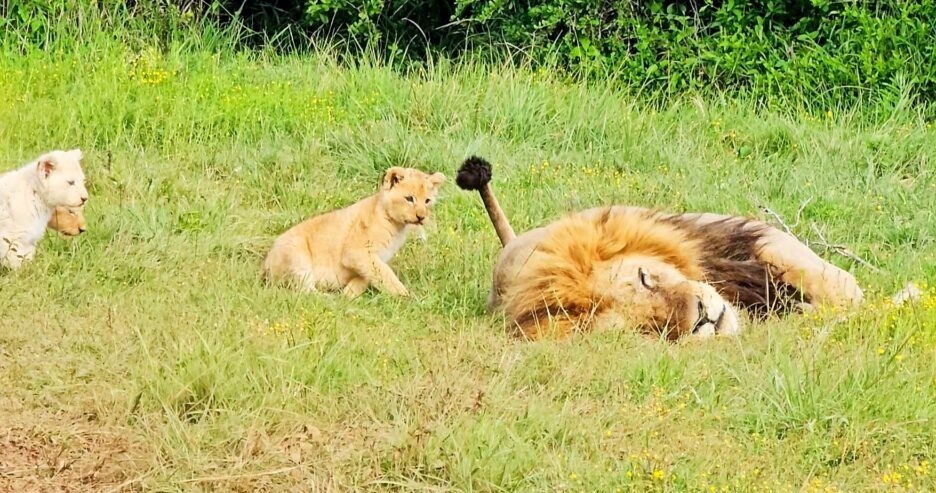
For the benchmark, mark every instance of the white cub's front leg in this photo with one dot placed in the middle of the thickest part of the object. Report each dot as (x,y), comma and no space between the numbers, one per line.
(16,253)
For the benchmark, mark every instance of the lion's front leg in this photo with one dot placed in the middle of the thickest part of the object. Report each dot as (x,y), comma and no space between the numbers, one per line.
(821,282)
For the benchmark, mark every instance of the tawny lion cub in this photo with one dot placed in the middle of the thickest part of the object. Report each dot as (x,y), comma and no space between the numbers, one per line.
(68,221)
(348,249)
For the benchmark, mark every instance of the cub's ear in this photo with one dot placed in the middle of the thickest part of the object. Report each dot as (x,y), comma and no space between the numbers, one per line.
(45,165)
(76,154)
(393,176)
(436,180)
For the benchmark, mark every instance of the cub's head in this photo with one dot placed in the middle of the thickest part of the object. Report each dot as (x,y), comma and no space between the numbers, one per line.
(62,179)
(408,194)
(655,297)
(69,221)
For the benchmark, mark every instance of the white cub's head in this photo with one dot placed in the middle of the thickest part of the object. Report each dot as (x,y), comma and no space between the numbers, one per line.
(62,179)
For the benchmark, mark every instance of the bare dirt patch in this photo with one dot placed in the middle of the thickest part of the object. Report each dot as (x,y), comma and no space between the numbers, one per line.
(59,455)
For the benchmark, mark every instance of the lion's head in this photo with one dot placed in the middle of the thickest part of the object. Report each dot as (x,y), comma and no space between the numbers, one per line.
(655,297)
(408,194)
(69,221)
(589,272)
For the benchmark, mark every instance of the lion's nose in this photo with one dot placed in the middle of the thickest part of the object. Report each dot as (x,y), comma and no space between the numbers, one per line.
(703,317)
(721,318)
(83,200)
(81,230)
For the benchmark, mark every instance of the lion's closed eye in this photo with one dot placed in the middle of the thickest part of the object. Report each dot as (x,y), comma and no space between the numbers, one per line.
(646,280)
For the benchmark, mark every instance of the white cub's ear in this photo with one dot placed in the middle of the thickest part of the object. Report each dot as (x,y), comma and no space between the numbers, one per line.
(436,180)
(45,164)
(76,154)
(393,176)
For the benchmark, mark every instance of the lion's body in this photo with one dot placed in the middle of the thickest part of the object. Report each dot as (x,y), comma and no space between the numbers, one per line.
(750,264)
(29,194)
(68,221)
(587,270)
(348,249)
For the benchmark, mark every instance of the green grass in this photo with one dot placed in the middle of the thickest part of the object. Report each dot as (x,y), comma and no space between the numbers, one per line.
(149,353)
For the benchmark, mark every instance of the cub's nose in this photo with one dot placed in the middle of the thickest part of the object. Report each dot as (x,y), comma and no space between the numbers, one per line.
(83,200)
(419,219)
(81,230)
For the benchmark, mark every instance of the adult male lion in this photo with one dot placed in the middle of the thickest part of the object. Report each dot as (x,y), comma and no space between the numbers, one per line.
(674,274)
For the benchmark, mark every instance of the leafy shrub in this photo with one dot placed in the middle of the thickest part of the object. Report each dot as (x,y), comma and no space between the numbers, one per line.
(816,51)
(769,47)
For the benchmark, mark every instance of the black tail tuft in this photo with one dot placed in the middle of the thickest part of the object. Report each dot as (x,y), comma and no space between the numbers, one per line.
(474,174)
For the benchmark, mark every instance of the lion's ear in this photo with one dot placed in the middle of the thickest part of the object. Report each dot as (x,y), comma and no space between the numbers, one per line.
(76,154)
(393,176)
(45,165)
(436,180)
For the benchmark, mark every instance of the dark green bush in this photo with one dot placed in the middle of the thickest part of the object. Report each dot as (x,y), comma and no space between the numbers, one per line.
(807,51)
(769,47)
(777,50)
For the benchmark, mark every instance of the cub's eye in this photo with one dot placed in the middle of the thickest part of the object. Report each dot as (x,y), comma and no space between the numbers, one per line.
(645,279)
(71,182)
(427,201)
(410,199)
(73,213)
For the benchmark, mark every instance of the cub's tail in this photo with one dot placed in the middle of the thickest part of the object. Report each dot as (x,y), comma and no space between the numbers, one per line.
(475,174)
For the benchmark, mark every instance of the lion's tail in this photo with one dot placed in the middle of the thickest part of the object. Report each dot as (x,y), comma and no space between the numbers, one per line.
(475,174)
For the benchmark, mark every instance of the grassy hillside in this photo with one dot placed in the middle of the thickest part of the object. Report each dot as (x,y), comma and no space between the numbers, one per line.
(148,355)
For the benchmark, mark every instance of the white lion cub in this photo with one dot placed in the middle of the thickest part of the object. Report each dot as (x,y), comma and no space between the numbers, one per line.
(28,196)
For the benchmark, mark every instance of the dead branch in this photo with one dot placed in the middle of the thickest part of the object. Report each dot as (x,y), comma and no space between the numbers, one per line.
(822,242)
(779,219)
(799,212)
(841,250)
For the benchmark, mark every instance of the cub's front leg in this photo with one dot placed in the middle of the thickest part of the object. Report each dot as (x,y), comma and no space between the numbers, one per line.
(16,253)
(355,287)
(377,273)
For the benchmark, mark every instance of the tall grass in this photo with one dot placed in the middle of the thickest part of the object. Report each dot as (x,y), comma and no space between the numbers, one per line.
(149,348)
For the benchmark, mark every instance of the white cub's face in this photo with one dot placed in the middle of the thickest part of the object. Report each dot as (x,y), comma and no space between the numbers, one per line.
(60,172)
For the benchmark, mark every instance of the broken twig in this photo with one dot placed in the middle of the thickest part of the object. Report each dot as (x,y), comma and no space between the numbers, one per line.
(822,242)
(779,219)
(841,250)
